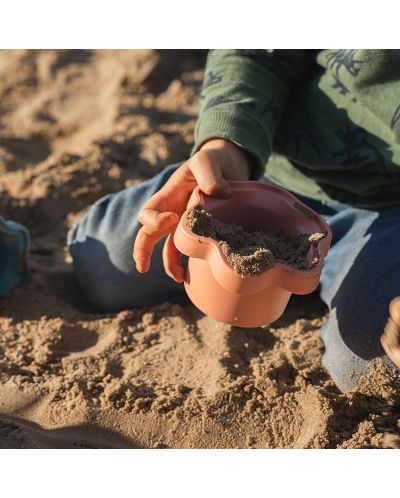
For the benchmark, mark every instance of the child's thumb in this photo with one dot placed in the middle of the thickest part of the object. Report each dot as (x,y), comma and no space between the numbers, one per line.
(210,180)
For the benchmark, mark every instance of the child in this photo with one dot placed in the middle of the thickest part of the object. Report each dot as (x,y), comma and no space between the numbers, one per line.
(322,124)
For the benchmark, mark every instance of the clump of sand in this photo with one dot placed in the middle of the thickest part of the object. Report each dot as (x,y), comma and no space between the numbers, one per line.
(76,125)
(253,253)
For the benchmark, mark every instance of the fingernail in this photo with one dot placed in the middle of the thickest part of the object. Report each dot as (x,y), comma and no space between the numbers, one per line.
(141,265)
(174,216)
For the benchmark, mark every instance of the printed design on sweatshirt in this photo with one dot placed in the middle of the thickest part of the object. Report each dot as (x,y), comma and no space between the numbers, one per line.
(395,118)
(211,78)
(247,106)
(270,108)
(267,59)
(291,137)
(214,101)
(343,58)
(357,152)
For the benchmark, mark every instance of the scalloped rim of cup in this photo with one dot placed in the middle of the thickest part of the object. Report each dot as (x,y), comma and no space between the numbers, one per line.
(206,248)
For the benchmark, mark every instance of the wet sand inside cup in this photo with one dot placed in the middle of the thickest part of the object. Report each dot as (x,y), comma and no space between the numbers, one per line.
(253,253)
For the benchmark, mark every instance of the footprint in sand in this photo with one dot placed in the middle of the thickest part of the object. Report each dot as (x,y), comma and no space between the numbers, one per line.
(78,340)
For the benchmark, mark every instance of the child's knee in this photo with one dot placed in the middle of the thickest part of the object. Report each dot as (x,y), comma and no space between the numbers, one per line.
(345,372)
(101,262)
(91,264)
(347,361)
(108,277)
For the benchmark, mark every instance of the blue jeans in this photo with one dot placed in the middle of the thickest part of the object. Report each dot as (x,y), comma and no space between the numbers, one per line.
(359,278)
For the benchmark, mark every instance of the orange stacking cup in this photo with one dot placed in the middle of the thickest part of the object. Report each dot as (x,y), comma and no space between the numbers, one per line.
(213,285)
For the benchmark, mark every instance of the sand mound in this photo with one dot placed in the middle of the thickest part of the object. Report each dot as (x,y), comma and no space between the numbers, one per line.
(252,253)
(76,125)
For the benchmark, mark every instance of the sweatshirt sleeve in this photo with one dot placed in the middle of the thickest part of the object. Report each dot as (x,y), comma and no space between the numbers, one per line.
(243,97)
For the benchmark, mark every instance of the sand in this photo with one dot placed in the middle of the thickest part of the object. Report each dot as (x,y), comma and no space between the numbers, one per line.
(252,253)
(76,125)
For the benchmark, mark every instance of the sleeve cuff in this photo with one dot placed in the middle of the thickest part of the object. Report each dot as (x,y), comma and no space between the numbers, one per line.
(238,128)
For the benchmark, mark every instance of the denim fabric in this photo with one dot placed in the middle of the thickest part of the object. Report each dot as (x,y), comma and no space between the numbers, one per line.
(14,249)
(357,283)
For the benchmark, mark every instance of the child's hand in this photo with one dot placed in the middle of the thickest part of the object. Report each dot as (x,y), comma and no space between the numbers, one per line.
(210,168)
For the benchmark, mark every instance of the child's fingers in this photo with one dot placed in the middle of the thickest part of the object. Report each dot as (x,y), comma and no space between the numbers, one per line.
(172,260)
(157,221)
(143,248)
(208,176)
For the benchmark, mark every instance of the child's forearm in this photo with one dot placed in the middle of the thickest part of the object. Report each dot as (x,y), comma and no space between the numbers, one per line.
(244,94)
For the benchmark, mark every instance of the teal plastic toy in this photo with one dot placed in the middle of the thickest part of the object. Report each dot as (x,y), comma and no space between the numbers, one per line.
(14,248)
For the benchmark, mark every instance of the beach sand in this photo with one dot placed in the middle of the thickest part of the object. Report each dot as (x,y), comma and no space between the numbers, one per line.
(74,126)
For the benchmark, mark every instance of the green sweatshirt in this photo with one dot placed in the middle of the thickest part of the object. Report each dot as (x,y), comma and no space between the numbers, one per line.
(324,124)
